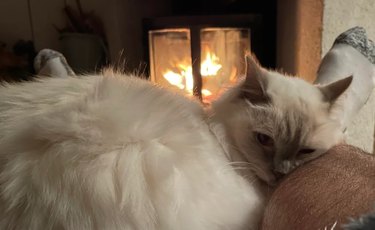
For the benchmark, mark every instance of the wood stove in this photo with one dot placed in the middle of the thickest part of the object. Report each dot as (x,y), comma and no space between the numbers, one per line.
(200,55)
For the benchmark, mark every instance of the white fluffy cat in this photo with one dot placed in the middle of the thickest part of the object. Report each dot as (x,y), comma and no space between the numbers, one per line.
(117,152)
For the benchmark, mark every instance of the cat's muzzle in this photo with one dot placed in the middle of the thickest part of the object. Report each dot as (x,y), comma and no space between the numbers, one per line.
(285,167)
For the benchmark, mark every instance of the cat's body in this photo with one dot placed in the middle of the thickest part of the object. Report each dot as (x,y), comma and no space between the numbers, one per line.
(120,164)
(120,153)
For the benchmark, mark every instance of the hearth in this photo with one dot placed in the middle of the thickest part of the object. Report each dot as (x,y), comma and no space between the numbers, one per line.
(201,55)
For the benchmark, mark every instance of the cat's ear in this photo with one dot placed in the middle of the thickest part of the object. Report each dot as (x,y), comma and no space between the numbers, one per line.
(254,88)
(333,90)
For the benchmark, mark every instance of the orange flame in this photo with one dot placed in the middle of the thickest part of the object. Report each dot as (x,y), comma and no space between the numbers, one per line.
(210,66)
(184,78)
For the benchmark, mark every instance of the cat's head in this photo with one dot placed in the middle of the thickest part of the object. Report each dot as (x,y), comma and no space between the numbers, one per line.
(278,122)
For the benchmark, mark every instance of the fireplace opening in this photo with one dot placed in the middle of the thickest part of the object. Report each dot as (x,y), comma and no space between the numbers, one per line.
(201,56)
(221,59)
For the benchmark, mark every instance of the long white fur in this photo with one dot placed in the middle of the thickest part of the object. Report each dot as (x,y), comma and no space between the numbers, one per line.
(99,153)
(117,152)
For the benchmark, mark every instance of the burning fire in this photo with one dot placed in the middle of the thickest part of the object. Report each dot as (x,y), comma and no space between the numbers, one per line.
(210,66)
(183,79)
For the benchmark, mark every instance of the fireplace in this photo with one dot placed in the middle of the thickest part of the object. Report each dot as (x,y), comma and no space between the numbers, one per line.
(200,55)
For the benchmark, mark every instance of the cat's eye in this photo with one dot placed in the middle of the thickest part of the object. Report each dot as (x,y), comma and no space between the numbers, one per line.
(306,151)
(264,139)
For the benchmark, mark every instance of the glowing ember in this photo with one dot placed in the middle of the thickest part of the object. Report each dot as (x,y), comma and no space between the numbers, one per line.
(184,78)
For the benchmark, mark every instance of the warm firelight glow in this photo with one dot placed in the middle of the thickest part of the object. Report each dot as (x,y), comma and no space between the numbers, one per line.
(210,66)
(174,79)
(183,79)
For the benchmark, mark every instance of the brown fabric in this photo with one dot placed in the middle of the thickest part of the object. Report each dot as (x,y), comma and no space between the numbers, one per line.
(334,187)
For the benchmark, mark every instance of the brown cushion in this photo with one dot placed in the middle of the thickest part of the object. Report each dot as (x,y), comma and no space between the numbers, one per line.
(338,185)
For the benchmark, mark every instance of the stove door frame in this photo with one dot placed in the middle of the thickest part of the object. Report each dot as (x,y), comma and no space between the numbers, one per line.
(253,22)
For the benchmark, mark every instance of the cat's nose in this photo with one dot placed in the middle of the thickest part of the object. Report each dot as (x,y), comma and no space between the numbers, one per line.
(283,167)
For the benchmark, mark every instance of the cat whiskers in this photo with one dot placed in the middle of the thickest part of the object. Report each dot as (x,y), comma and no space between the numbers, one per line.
(254,167)
(243,167)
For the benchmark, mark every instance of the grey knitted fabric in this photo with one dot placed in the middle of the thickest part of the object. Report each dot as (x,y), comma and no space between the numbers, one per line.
(357,38)
(47,54)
